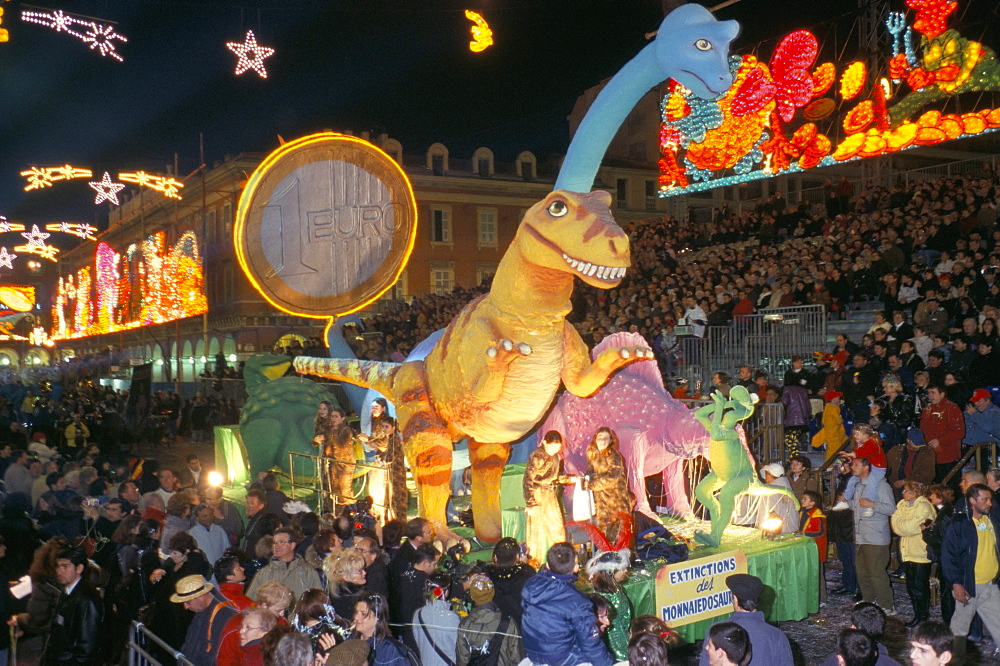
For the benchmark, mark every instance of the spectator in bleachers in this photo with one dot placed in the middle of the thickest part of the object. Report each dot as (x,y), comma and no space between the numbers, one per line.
(982,419)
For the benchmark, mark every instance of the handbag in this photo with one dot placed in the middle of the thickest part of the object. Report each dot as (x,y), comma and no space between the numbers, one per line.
(583,502)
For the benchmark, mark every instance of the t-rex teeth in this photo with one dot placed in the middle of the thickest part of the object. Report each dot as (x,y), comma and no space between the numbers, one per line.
(573,263)
(601,270)
(583,268)
(591,270)
(621,272)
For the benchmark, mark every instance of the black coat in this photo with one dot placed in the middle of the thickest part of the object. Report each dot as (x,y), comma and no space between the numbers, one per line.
(73,637)
(508,583)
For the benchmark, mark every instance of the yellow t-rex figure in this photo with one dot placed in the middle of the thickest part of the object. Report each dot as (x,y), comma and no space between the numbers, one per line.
(494,373)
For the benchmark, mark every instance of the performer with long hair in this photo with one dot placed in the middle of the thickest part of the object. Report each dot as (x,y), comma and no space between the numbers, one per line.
(608,480)
(387,486)
(543,481)
(336,440)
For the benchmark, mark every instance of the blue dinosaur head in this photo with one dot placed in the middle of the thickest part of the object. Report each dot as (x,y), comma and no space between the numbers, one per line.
(692,48)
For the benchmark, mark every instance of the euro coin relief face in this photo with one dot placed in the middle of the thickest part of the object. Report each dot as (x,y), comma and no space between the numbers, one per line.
(325,225)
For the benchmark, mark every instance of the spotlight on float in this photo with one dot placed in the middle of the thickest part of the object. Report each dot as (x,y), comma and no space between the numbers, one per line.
(771,526)
(214,478)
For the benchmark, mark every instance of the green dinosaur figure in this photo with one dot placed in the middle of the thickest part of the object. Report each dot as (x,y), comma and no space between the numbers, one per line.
(949,64)
(279,415)
(733,470)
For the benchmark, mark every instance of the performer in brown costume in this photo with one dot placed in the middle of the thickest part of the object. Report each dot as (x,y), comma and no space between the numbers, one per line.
(336,440)
(609,482)
(543,481)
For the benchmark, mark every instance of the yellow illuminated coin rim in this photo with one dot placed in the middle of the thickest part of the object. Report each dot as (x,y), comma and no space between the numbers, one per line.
(254,183)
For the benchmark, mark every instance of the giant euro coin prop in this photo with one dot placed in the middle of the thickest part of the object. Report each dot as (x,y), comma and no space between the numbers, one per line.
(325,225)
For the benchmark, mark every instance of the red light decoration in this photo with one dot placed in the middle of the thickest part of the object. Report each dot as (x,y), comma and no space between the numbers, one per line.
(860,117)
(790,65)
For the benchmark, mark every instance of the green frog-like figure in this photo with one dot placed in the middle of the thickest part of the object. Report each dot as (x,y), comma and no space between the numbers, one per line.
(733,470)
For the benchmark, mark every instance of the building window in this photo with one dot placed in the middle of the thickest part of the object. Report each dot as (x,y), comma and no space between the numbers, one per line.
(440,225)
(485,272)
(487,227)
(437,164)
(621,192)
(650,195)
(484,168)
(227,219)
(210,225)
(228,284)
(442,277)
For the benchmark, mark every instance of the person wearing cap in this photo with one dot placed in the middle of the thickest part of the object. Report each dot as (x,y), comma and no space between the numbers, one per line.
(832,434)
(770,645)
(211,616)
(982,419)
(773,474)
(486,631)
(913,461)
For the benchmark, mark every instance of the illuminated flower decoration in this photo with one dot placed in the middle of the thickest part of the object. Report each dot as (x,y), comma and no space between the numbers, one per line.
(746,163)
(818,109)
(823,78)
(788,81)
(853,79)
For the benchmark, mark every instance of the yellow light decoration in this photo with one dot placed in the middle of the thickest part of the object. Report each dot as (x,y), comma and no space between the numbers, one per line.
(929,119)
(951,125)
(39,177)
(676,107)
(860,117)
(849,148)
(84,231)
(4,35)
(823,78)
(928,136)
(973,123)
(874,144)
(166,185)
(147,284)
(482,36)
(49,252)
(853,79)
(901,137)
(886,87)
(804,135)
(993,118)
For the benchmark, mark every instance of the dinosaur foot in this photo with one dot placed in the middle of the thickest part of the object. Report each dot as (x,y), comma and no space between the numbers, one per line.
(706,539)
(506,349)
(635,352)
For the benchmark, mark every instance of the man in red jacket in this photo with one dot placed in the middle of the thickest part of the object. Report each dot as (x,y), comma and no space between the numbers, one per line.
(944,428)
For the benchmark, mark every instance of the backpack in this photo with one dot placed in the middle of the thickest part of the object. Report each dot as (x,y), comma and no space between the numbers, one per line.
(489,654)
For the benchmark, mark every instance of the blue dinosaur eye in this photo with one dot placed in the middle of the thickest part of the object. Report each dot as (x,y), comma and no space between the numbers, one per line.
(558,208)
(703,45)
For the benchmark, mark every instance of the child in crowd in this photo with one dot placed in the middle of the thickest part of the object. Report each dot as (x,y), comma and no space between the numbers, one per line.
(832,434)
(607,572)
(867,444)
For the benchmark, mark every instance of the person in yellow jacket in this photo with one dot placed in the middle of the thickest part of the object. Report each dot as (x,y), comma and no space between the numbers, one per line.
(832,434)
(77,433)
(914,513)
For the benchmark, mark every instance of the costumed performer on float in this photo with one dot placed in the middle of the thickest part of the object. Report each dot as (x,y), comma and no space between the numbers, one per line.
(336,440)
(607,479)
(733,468)
(543,481)
(387,486)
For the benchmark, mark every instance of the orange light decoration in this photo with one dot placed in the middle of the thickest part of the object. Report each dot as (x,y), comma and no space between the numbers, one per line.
(7,226)
(973,123)
(39,177)
(901,137)
(818,109)
(166,185)
(17,298)
(850,147)
(823,78)
(147,284)
(4,34)
(853,79)
(860,117)
(482,36)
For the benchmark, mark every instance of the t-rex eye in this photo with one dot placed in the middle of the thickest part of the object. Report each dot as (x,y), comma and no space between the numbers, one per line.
(703,45)
(558,208)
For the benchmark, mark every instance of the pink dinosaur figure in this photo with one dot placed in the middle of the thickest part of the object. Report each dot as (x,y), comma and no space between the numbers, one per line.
(655,431)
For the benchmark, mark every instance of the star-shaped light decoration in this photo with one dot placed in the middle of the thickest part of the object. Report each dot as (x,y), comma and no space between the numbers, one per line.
(98,36)
(250,54)
(7,259)
(85,231)
(64,228)
(36,237)
(5,226)
(106,190)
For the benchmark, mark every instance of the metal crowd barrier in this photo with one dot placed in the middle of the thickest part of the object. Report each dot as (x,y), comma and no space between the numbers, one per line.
(315,485)
(139,637)
(765,340)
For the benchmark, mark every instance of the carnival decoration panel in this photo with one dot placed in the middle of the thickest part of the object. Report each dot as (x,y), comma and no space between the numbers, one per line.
(797,112)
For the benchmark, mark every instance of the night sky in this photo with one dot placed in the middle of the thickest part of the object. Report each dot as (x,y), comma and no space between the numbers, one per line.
(402,67)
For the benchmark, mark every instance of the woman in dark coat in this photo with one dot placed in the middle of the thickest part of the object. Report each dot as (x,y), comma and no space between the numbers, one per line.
(943,498)
(608,480)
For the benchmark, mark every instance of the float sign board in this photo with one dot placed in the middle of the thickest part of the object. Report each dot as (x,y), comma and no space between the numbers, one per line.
(696,590)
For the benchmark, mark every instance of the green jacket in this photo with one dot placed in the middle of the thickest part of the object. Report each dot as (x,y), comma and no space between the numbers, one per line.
(297,576)
(475,630)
